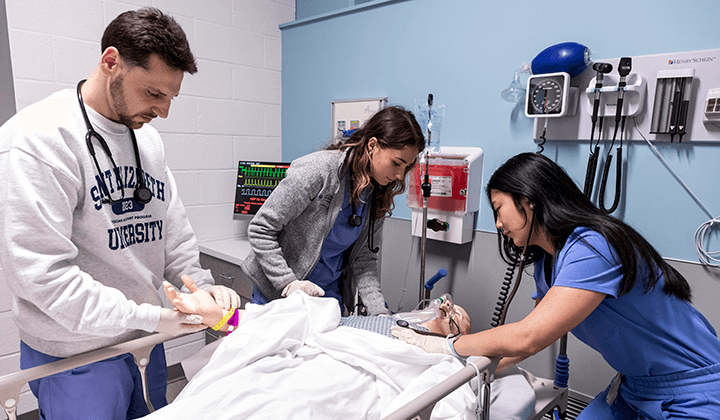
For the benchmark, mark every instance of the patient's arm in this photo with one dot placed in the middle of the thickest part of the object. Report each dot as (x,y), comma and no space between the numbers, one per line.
(197,302)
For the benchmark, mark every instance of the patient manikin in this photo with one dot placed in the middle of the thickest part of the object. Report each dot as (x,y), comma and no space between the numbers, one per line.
(440,317)
(511,395)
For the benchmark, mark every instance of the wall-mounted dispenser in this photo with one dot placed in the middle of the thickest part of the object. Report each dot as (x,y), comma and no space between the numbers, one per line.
(673,94)
(712,107)
(456,176)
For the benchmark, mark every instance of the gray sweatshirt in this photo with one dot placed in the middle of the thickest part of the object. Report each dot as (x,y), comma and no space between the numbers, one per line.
(85,274)
(287,233)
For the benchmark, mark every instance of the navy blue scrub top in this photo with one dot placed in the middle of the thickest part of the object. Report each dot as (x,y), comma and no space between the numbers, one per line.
(328,269)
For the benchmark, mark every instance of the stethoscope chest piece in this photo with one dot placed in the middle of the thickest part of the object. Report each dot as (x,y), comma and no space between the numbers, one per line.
(354,220)
(142,194)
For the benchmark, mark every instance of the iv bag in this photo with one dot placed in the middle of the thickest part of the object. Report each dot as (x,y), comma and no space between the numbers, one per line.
(432,124)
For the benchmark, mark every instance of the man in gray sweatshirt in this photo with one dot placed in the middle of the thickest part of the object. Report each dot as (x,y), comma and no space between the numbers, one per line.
(91,222)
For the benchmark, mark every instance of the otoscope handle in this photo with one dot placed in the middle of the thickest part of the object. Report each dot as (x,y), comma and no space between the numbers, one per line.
(619,106)
(596,108)
(434,279)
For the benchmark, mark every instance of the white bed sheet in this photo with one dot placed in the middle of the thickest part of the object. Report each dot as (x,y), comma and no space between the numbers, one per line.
(289,359)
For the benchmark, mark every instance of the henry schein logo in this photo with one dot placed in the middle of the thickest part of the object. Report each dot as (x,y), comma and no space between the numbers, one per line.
(692,60)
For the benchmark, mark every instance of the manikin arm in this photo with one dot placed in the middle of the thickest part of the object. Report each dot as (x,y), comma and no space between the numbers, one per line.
(197,302)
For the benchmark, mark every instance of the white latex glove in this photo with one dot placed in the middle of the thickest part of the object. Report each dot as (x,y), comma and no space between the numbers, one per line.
(429,343)
(174,322)
(225,297)
(306,286)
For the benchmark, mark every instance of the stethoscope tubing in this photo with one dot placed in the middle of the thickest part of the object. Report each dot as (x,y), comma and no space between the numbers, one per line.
(142,194)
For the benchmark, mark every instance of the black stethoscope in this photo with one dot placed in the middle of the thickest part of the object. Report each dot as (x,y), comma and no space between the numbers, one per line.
(142,193)
(356,221)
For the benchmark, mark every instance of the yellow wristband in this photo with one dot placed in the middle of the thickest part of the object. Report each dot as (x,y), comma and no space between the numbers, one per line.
(224,319)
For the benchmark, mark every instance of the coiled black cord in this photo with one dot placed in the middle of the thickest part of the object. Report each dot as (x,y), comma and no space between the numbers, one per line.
(506,297)
(542,140)
(504,291)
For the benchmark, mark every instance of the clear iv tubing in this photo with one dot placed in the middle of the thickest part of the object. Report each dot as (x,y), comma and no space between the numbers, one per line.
(426,188)
(430,312)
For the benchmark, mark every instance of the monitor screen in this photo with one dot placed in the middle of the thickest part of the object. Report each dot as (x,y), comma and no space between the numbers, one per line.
(255,182)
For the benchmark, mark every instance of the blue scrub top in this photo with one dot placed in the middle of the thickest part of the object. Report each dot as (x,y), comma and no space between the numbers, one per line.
(638,334)
(328,269)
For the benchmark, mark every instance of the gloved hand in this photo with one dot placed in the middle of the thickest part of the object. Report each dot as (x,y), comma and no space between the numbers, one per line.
(429,343)
(225,297)
(198,302)
(306,286)
(174,322)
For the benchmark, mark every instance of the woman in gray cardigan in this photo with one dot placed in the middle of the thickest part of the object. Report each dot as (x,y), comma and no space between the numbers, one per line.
(320,229)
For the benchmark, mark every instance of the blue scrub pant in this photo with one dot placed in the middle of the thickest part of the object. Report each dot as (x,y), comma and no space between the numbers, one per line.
(693,394)
(109,389)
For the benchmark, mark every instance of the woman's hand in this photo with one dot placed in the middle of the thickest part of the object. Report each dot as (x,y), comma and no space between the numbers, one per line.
(306,286)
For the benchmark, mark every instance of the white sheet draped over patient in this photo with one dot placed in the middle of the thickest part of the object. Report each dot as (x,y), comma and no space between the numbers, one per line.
(289,359)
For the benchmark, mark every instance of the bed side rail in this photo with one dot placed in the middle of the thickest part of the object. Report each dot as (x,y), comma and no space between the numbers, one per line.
(441,390)
(11,385)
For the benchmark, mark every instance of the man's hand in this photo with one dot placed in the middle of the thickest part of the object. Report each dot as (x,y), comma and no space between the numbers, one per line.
(198,301)
(224,296)
(174,322)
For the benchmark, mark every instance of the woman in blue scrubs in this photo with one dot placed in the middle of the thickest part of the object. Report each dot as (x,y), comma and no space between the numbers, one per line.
(320,229)
(599,278)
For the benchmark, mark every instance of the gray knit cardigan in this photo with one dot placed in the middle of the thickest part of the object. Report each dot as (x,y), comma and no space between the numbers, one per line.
(287,233)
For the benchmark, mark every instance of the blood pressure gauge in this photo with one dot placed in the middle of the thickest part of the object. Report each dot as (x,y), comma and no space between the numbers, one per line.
(547,95)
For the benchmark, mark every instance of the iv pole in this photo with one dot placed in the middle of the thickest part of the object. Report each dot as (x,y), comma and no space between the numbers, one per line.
(424,297)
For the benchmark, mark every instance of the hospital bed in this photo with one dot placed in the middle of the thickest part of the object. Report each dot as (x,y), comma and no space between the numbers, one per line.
(550,400)
(548,396)
(11,385)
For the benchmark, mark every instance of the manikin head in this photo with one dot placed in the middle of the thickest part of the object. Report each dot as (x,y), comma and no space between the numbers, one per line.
(450,321)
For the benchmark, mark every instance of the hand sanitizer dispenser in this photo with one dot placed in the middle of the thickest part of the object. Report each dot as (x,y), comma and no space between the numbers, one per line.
(455,178)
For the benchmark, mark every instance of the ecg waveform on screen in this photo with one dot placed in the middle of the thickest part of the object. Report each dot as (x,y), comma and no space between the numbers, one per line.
(255,182)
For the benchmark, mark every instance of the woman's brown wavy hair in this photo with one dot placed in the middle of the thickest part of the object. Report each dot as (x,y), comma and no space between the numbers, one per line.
(394,127)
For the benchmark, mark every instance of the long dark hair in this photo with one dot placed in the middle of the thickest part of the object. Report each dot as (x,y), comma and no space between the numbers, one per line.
(137,34)
(394,127)
(560,207)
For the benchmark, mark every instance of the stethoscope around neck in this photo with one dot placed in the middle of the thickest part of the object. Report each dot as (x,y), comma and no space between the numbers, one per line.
(142,193)
(356,220)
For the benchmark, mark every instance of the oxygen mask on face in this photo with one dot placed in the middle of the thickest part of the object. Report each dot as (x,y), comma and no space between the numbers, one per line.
(434,309)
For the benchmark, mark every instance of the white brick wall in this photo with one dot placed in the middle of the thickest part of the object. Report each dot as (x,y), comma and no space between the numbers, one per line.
(229,110)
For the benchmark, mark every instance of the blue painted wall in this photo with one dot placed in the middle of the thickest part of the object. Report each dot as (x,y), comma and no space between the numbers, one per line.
(306,9)
(465,53)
